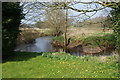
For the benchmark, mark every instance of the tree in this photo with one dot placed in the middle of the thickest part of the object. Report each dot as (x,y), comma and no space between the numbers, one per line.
(99,5)
(115,14)
(41,24)
(116,25)
(11,18)
(55,20)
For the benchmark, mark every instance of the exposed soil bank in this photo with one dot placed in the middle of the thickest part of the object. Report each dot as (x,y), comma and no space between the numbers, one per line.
(86,49)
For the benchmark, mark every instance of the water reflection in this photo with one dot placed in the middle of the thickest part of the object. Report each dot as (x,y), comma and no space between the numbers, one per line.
(43,44)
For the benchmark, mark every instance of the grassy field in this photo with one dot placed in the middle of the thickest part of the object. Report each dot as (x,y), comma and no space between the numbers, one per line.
(59,65)
(83,32)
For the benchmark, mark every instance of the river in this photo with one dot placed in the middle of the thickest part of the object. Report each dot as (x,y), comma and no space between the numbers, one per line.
(43,44)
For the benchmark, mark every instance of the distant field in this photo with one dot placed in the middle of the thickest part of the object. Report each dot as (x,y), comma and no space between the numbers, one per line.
(35,30)
(74,31)
(86,31)
(59,65)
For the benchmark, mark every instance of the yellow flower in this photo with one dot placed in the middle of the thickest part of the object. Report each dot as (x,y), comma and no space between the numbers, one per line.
(86,70)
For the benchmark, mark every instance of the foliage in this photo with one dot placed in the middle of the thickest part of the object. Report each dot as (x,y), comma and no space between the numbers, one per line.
(33,65)
(107,40)
(116,24)
(59,38)
(59,56)
(11,17)
(23,37)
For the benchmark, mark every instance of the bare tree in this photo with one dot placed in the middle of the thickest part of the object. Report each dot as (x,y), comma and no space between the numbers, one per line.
(41,24)
(55,20)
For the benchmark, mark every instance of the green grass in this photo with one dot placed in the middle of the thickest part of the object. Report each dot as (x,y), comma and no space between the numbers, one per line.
(58,65)
(98,40)
(59,38)
(107,40)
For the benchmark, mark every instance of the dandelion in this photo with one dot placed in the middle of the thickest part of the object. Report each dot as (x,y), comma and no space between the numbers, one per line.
(58,71)
(86,70)
(62,76)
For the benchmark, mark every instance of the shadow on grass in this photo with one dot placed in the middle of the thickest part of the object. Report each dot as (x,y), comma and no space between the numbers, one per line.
(20,56)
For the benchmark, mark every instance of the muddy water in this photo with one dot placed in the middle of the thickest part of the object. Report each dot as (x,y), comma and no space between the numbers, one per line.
(43,44)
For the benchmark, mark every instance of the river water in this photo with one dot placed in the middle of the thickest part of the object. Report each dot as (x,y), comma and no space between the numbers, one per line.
(43,44)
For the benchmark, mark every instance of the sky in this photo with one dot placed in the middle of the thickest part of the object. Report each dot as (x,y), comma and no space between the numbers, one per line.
(37,13)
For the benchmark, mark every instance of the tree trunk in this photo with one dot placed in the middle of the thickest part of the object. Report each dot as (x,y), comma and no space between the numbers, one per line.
(65,33)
